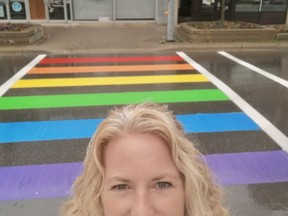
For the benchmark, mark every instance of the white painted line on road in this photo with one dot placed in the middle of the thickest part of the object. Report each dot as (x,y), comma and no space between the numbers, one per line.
(7,85)
(280,138)
(255,69)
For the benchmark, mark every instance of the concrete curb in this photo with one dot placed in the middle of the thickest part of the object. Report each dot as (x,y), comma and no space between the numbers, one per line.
(171,47)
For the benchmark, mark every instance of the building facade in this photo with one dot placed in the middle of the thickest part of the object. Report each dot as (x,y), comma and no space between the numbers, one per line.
(256,11)
(82,10)
(46,11)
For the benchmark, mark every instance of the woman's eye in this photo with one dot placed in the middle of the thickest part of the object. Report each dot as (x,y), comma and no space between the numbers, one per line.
(120,187)
(164,185)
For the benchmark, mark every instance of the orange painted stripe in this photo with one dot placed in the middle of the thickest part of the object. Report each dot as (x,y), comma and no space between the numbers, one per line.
(119,68)
(111,59)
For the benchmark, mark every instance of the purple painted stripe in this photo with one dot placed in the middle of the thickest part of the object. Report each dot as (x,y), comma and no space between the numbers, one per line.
(37,181)
(249,167)
(55,180)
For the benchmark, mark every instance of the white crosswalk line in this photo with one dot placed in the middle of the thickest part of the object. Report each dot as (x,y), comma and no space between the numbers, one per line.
(255,69)
(4,88)
(272,131)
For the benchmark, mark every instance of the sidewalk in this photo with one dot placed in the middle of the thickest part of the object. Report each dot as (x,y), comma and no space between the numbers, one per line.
(121,38)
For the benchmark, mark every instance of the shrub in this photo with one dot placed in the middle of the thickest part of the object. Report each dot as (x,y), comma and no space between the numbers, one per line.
(12,27)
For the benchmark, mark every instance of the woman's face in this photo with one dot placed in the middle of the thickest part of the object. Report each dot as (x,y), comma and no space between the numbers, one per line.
(141,178)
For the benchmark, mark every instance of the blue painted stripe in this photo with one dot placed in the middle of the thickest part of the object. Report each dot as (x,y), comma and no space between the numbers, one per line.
(217,122)
(84,128)
(55,180)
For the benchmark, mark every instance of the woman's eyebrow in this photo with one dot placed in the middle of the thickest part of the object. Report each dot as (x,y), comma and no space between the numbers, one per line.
(164,176)
(118,179)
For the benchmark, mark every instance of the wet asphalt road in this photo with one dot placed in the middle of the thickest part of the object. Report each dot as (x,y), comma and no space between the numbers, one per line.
(268,97)
(271,100)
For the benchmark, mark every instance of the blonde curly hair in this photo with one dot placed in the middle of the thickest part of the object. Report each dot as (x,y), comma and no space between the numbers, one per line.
(202,196)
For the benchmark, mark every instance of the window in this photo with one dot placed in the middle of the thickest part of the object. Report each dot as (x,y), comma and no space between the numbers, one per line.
(247,5)
(17,9)
(93,9)
(274,5)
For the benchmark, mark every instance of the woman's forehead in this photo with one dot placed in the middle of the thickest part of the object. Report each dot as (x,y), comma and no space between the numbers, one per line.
(137,150)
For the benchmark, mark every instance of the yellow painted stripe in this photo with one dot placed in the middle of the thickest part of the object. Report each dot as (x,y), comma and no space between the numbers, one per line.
(97,81)
(118,68)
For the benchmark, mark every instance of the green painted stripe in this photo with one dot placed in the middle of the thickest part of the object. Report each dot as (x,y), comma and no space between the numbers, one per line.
(102,99)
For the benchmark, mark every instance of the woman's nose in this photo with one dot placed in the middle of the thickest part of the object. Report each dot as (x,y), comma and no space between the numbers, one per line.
(143,205)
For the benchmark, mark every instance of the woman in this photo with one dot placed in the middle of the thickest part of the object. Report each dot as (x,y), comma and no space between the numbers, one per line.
(139,162)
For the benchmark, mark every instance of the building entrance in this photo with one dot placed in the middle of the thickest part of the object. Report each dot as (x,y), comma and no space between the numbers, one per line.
(34,10)
(37,10)
(111,10)
(49,10)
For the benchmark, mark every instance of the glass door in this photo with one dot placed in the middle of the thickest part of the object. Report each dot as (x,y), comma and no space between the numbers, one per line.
(56,9)
(49,10)
(93,10)
(37,10)
(135,9)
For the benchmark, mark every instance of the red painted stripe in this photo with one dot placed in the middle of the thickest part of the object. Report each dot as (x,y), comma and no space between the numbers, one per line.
(111,59)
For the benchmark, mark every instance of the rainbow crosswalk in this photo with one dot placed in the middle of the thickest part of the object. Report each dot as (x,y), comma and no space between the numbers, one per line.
(102,99)
(59,94)
(84,128)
